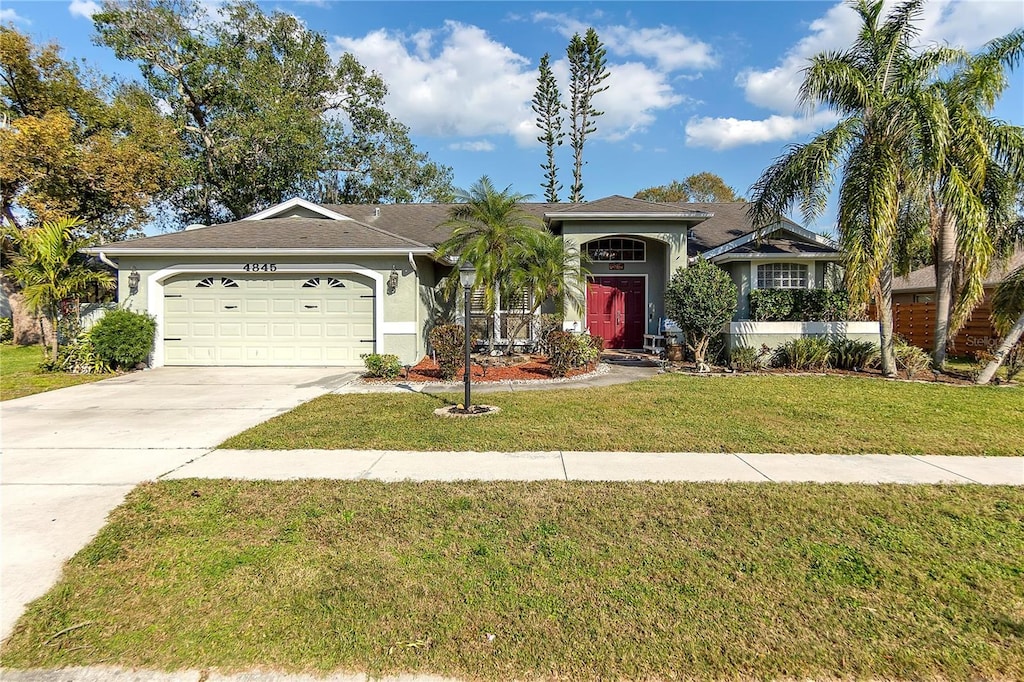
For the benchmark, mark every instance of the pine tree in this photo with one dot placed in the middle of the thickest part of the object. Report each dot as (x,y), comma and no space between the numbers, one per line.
(547,104)
(587,70)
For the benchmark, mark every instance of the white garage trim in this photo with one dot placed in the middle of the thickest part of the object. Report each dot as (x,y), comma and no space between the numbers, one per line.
(155,295)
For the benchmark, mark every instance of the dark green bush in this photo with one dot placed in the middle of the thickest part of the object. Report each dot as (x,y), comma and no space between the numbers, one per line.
(700,299)
(806,353)
(380,366)
(771,305)
(123,338)
(449,344)
(853,355)
(6,330)
(570,351)
(799,305)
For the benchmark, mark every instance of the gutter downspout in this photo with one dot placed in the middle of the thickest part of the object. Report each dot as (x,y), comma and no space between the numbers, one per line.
(103,258)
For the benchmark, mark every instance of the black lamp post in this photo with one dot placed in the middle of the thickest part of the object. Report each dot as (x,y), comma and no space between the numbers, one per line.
(467,277)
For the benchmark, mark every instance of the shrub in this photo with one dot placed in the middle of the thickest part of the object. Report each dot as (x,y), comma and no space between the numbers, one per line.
(123,338)
(6,330)
(746,359)
(570,351)
(79,356)
(799,305)
(911,359)
(771,305)
(380,366)
(806,353)
(700,299)
(548,323)
(853,355)
(449,344)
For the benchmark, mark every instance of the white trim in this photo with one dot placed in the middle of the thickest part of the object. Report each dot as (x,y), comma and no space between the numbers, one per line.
(155,292)
(647,299)
(264,253)
(398,327)
(579,215)
(292,203)
(744,327)
(811,270)
(739,257)
(765,233)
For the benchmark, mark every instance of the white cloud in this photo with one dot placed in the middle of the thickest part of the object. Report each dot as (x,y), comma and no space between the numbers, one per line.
(725,133)
(473,146)
(670,49)
(458,81)
(83,8)
(955,22)
(10,16)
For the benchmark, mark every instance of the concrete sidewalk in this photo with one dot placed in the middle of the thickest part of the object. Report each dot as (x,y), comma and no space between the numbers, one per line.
(391,465)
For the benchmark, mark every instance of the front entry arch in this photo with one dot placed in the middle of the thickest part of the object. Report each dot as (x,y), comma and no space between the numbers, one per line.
(616,307)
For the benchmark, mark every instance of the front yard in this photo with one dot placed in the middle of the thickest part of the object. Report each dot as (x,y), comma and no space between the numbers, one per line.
(20,374)
(557,581)
(673,413)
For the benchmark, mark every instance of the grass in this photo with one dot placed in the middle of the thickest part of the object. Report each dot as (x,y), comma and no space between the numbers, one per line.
(581,581)
(20,374)
(674,413)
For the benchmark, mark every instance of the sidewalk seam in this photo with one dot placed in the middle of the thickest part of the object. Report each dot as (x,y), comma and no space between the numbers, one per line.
(923,461)
(185,464)
(766,476)
(365,473)
(561,457)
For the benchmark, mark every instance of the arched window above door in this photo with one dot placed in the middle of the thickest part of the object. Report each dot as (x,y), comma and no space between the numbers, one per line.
(616,249)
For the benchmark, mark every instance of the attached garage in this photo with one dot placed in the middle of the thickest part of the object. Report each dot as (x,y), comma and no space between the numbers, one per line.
(267,319)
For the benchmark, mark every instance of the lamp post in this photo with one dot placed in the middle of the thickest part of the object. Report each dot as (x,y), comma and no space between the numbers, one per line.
(467,277)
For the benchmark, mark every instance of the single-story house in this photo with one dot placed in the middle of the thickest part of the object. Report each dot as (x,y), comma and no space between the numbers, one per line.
(307,284)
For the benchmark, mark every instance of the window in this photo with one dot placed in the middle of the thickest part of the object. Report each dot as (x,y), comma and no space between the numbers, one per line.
(782,276)
(229,283)
(311,283)
(617,249)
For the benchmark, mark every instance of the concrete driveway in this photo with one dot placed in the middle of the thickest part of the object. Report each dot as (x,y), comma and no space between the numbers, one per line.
(70,456)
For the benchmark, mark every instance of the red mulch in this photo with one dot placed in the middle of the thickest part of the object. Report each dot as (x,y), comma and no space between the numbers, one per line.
(534,367)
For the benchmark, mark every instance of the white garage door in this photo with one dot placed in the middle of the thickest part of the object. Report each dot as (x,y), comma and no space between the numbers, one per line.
(268,319)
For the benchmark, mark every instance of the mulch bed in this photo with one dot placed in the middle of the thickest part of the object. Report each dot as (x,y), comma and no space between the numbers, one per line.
(485,369)
(949,377)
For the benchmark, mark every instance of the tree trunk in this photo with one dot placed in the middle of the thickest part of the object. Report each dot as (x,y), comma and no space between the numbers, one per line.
(1012,337)
(883,301)
(28,329)
(945,262)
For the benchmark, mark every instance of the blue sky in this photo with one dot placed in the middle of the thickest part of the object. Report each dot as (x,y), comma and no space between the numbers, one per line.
(694,86)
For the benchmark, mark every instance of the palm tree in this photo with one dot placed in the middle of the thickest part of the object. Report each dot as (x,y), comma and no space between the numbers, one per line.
(549,271)
(974,182)
(888,115)
(491,231)
(1008,315)
(50,269)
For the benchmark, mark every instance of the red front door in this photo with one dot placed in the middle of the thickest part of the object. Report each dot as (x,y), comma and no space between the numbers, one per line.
(615,310)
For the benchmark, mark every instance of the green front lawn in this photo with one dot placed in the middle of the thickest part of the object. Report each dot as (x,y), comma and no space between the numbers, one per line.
(558,581)
(673,413)
(20,374)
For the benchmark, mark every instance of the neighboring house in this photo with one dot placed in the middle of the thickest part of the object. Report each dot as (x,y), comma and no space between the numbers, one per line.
(913,297)
(305,284)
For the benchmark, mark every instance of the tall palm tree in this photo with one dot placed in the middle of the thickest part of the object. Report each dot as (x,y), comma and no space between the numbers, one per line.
(1008,314)
(888,115)
(549,271)
(973,185)
(491,231)
(50,269)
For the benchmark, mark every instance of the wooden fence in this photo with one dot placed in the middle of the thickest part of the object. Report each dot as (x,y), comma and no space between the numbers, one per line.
(916,323)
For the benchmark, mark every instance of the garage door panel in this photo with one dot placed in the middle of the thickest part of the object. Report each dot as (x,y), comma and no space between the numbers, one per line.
(268,319)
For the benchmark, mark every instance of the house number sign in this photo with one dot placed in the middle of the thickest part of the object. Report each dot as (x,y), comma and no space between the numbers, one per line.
(616,266)
(260,267)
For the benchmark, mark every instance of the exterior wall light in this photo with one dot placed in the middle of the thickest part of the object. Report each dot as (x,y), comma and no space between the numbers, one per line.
(133,282)
(392,282)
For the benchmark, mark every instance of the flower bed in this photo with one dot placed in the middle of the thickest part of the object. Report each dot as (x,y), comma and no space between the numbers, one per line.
(487,369)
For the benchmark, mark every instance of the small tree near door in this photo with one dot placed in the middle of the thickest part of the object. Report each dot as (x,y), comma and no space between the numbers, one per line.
(700,299)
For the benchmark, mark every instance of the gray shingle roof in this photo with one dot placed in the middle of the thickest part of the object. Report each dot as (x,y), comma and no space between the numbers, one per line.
(782,247)
(274,234)
(923,279)
(620,204)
